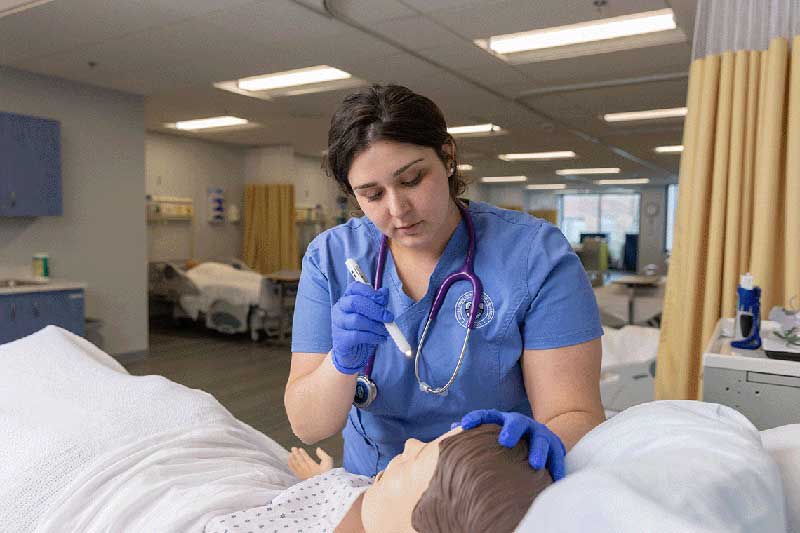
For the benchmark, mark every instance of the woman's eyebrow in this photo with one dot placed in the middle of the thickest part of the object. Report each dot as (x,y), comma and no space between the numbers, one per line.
(406,166)
(394,174)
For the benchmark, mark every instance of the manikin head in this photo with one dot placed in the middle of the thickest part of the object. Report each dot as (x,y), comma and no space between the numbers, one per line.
(462,481)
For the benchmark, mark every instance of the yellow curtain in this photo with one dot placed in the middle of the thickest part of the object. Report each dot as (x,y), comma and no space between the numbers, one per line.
(270,242)
(738,202)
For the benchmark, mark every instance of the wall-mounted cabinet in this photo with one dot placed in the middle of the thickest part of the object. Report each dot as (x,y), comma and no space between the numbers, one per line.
(24,313)
(30,166)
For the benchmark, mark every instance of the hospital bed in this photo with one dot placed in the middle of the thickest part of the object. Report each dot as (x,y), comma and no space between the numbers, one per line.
(87,447)
(628,368)
(227,296)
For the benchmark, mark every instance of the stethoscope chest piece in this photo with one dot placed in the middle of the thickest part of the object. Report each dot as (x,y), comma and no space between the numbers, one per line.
(366,392)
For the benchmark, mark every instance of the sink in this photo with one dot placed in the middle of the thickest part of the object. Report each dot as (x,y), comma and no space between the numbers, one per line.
(11,283)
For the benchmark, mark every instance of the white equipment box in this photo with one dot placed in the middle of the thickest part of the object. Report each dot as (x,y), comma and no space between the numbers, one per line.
(766,391)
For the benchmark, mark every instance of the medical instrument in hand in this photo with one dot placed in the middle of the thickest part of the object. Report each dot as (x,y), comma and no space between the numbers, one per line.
(366,391)
(467,273)
(357,326)
(748,315)
(391,327)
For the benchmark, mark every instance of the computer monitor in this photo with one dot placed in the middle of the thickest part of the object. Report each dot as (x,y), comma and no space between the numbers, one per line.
(585,236)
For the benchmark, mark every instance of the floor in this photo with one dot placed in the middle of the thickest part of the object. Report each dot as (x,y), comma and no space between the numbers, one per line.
(247,378)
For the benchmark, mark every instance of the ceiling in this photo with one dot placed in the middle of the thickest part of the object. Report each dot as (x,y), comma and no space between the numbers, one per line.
(172,51)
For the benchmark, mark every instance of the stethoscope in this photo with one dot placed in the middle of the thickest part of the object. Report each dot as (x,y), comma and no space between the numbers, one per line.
(366,390)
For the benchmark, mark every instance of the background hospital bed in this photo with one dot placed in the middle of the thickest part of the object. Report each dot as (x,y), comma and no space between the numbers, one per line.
(224,306)
(88,447)
(628,368)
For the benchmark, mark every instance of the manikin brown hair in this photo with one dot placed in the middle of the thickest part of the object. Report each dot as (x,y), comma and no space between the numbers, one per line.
(478,485)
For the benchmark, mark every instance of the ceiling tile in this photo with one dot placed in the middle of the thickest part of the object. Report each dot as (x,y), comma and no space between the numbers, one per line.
(371,11)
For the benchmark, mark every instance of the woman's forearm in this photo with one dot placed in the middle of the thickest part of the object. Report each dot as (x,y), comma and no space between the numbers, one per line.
(573,425)
(317,403)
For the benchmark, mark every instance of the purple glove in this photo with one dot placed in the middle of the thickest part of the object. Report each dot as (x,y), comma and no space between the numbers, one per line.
(546,449)
(357,326)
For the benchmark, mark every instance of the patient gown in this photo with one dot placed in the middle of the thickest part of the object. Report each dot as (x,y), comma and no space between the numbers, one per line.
(316,505)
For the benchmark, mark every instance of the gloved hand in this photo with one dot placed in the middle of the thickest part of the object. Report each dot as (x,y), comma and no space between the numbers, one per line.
(357,326)
(546,449)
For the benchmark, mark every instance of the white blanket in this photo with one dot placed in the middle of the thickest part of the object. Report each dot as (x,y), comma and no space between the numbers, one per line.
(87,447)
(217,281)
(670,466)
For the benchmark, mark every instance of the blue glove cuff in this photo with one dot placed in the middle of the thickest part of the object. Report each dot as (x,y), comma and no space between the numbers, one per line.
(358,358)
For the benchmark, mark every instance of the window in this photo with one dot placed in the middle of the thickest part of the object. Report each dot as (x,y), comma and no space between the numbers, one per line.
(612,214)
(672,211)
(580,213)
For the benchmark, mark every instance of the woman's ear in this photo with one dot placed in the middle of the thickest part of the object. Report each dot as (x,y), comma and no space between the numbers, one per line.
(449,151)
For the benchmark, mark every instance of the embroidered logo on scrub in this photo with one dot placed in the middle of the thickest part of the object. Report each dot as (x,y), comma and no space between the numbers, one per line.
(485,310)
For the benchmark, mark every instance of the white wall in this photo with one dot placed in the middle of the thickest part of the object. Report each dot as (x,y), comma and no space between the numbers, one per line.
(312,186)
(279,164)
(512,194)
(100,238)
(271,164)
(180,166)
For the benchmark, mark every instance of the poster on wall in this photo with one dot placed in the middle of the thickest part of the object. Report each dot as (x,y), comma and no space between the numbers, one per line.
(216,205)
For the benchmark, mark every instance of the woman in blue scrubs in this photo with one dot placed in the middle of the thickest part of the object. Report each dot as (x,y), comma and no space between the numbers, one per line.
(534,350)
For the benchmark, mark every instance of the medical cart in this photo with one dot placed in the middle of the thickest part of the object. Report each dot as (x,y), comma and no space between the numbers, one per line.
(767,391)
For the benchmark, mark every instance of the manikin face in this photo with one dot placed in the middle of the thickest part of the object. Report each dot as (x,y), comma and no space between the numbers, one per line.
(403,189)
(389,502)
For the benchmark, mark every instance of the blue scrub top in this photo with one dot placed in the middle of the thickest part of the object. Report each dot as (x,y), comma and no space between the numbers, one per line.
(536,296)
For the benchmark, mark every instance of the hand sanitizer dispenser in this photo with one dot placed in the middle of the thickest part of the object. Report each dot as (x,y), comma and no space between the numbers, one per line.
(747,326)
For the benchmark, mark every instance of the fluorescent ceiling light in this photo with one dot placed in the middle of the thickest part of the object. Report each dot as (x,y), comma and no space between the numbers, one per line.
(634,181)
(676,149)
(581,171)
(211,122)
(538,156)
(293,78)
(504,179)
(645,115)
(546,186)
(599,30)
(474,129)
(465,166)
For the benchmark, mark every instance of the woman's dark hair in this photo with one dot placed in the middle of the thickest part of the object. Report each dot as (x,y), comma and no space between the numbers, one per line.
(387,113)
(479,485)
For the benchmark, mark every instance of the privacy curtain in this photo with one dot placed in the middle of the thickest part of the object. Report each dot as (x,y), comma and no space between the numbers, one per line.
(739,185)
(270,242)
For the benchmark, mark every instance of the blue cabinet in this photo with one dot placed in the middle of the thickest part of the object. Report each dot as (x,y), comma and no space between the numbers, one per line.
(24,313)
(30,166)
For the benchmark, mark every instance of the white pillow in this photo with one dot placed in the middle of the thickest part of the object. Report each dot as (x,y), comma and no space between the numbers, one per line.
(783,444)
(666,466)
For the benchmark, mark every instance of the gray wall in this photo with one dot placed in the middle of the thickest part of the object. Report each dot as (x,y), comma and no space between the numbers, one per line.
(279,164)
(100,238)
(180,166)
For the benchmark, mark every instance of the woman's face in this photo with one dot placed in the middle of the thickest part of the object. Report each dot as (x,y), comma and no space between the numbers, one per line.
(390,501)
(403,189)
